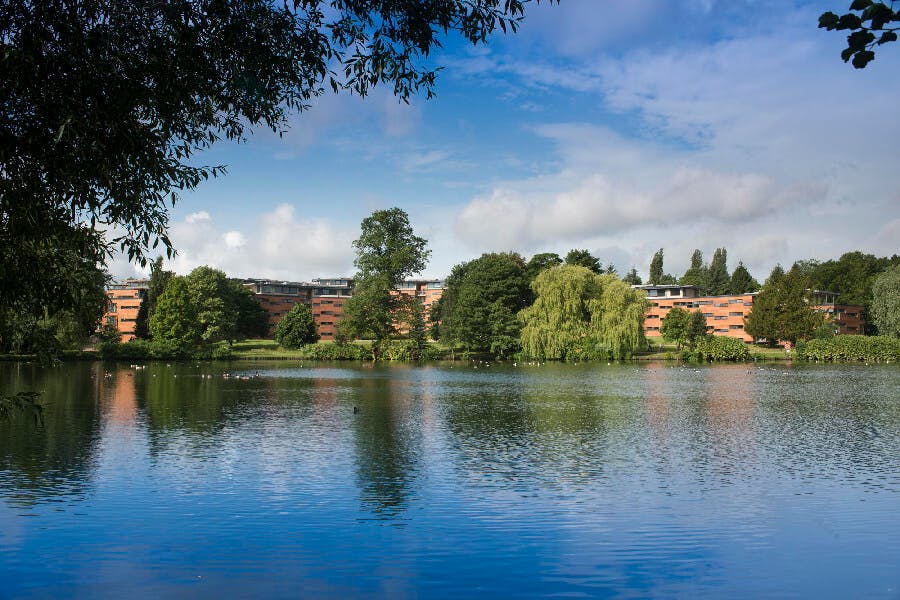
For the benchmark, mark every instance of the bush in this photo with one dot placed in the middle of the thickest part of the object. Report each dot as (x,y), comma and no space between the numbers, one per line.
(143,350)
(716,348)
(587,349)
(851,348)
(335,352)
(297,328)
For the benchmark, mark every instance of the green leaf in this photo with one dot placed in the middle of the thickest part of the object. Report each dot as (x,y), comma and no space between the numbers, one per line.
(862,58)
(828,20)
(887,36)
(849,21)
(860,4)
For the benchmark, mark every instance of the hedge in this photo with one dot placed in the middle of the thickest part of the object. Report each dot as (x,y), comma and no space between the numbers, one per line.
(851,348)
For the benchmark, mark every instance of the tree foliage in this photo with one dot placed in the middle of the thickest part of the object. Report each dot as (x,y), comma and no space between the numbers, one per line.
(159,277)
(656,268)
(387,252)
(482,300)
(632,277)
(573,304)
(683,327)
(205,307)
(696,273)
(542,261)
(851,276)
(106,104)
(783,309)
(742,282)
(585,259)
(869,24)
(297,328)
(886,302)
(717,278)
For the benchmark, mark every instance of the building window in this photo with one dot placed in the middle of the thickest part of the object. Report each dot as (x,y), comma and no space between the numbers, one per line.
(112,308)
(735,314)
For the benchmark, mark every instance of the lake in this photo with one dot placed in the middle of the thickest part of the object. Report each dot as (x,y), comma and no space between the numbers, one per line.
(452,480)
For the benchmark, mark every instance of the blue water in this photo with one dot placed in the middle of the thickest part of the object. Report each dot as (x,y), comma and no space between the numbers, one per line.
(452,481)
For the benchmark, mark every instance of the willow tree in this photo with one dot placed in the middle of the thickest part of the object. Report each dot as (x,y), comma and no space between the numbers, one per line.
(573,305)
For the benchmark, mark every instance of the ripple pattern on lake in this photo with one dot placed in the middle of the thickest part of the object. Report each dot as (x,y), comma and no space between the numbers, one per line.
(449,481)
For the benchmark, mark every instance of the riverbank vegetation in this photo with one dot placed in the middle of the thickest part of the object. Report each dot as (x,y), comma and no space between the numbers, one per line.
(851,348)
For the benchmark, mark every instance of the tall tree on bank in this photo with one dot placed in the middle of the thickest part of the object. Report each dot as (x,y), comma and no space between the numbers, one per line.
(696,273)
(585,259)
(886,302)
(483,297)
(155,287)
(575,305)
(783,309)
(205,307)
(387,252)
(742,282)
(683,327)
(717,278)
(656,268)
(297,328)
(106,104)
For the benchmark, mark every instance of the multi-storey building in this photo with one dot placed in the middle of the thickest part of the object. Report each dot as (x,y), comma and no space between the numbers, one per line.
(725,314)
(426,291)
(279,297)
(328,299)
(123,301)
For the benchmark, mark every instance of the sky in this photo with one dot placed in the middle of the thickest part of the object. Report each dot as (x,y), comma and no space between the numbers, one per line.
(616,126)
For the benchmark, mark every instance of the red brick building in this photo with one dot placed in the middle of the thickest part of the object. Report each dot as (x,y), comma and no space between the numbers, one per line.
(725,314)
(123,300)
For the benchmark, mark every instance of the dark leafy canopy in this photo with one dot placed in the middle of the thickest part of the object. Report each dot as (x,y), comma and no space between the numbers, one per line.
(542,261)
(206,307)
(585,259)
(297,328)
(742,282)
(104,103)
(632,277)
(783,309)
(851,276)
(387,252)
(869,24)
(482,299)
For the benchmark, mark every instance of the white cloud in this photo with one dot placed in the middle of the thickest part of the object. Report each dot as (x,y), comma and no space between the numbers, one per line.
(197,217)
(278,245)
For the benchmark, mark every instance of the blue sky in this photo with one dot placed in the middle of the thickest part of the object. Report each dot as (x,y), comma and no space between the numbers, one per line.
(619,126)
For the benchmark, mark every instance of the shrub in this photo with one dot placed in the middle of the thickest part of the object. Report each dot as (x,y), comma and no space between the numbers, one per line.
(851,348)
(716,348)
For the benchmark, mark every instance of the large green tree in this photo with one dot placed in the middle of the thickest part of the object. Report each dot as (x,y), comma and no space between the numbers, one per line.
(683,327)
(205,307)
(573,304)
(717,278)
(483,297)
(742,282)
(106,104)
(656,268)
(696,273)
(297,328)
(632,277)
(851,276)
(886,302)
(585,259)
(783,309)
(541,261)
(387,252)
(870,25)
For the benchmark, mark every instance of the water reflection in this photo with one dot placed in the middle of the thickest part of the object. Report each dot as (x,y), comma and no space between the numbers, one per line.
(657,479)
(388,441)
